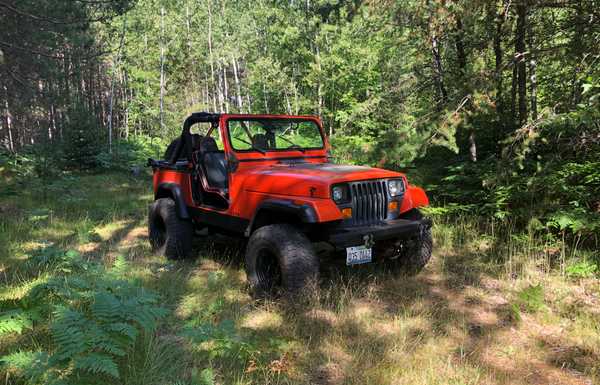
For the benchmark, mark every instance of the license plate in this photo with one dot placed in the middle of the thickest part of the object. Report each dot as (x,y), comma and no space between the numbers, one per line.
(358,254)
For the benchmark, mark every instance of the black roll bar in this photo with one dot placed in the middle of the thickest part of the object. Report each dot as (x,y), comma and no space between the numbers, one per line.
(186,137)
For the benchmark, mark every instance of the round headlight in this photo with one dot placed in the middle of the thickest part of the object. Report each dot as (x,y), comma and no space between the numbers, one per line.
(337,193)
(396,187)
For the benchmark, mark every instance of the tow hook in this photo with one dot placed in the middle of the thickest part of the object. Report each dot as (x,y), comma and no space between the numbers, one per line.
(369,242)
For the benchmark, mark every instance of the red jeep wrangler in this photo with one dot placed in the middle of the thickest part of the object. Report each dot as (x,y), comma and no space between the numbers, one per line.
(269,178)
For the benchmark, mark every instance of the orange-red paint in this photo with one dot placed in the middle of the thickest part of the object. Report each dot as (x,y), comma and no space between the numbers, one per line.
(262,176)
(413,198)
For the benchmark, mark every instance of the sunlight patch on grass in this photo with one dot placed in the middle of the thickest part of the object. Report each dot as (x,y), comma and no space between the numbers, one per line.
(107,230)
(261,319)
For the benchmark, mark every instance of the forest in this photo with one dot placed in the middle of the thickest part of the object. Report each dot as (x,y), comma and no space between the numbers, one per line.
(492,106)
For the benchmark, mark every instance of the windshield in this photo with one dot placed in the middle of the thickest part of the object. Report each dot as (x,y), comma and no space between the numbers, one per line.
(274,134)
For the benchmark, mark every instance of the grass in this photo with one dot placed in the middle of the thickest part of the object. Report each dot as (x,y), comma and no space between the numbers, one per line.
(493,307)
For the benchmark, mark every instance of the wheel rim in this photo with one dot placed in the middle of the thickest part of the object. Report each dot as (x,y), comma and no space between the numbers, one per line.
(268,270)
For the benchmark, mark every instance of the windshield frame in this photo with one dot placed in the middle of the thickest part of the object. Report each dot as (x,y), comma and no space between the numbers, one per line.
(282,118)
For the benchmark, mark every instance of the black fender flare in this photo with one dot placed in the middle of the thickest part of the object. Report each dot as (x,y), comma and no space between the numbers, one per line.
(304,212)
(172,190)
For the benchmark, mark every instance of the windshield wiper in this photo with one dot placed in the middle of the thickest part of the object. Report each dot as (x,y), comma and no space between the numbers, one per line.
(294,145)
(251,145)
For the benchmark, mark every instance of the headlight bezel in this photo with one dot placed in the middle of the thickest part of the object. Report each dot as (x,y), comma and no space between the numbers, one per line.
(399,188)
(345,193)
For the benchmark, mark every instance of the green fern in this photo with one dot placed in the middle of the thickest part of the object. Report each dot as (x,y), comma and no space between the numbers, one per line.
(94,318)
(30,365)
(60,261)
(15,321)
(97,363)
(225,340)
(95,337)
(69,331)
(119,267)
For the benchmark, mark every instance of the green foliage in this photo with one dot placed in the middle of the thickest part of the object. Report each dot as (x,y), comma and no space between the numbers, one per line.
(82,142)
(56,259)
(35,166)
(224,338)
(204,377)
(15,321)
(549,172)
(30,365)
(531,298)
(582,269)
(95,318)
(132,152)
(349,149)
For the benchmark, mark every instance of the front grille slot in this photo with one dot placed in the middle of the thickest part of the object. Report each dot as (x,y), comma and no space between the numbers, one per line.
(369,202)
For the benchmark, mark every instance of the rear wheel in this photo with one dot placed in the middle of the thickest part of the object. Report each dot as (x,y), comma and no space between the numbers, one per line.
(169,235)
(279,257)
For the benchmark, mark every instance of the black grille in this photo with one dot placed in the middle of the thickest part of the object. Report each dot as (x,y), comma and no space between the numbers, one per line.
(369,202)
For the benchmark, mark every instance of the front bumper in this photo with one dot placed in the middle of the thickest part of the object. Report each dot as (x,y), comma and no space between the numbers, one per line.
(342,237)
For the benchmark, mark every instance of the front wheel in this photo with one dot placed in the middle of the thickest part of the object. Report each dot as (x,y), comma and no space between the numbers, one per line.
(280,257)
(417,252)
(410,255)
(169,235)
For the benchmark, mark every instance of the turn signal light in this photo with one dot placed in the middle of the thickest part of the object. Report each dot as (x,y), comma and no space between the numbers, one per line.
(393,206)
(347,213)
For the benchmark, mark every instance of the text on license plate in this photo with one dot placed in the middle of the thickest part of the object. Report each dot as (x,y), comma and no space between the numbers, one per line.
(358,254)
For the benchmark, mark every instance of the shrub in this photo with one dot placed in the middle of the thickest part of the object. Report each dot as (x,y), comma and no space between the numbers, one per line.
(531,298)
(582,269)
(82,142)
(131,152)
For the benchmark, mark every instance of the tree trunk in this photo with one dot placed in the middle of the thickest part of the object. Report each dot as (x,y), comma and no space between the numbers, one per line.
(296,105)
(319,83)
(126,102)
(190,54)
(225,89)
(210,53)
(532,74)
(238,88)
(112,87)
(66,79)
(513,94)
(287,102)
(264,87)
(461,56)
(520,57)
(8,121)
(500,19)
(438,69)
(52,126)
(220,88)
(207,93)
(533,88)
(162,67)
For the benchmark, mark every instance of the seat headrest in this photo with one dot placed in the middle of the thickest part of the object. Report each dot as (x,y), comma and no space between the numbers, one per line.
(208,144)
(196,139)
(260,141)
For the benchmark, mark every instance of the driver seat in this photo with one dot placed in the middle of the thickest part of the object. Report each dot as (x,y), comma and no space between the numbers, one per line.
(213,163)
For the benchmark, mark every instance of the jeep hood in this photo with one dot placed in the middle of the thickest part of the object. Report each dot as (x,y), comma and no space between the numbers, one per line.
(309,179)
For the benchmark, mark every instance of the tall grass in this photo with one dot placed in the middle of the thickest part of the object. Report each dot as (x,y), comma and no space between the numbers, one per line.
(496,305)
(501,244)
